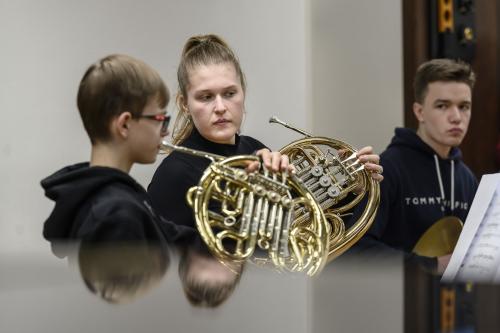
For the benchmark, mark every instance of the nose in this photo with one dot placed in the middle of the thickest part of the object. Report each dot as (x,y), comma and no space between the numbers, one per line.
(454,115)
(219,106)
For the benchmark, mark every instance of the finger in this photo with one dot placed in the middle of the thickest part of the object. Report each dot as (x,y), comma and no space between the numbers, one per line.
(343,153)
(375,171)
(265,155)
(252,166)
(370,158)
(285,163)
(375,168)
(365,151)
(378,177)
(276,161)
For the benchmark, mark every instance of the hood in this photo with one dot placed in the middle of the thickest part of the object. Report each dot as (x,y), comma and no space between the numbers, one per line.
(409,138)
(70,187)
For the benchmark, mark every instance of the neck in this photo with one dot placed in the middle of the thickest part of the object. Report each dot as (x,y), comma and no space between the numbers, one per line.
(442,151)
(111,156)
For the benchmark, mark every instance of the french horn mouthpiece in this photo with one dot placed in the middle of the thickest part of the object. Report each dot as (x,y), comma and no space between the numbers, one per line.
(274,119)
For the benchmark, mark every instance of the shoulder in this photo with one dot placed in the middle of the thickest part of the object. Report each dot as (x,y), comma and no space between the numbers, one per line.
(405,158)
(465,173)
(178,168)
(249,145)
(116,214)
(119,199)
(400,165)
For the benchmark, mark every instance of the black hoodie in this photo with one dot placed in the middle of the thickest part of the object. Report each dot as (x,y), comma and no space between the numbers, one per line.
(181,171)
(101,204)
(417,190)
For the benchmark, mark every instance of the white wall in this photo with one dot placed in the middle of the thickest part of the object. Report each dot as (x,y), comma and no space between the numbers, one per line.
(47,45)
(330,67)
(357,61)
(45,48)
(357,96)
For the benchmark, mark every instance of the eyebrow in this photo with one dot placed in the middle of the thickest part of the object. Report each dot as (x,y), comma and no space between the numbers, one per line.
(449,101)
(210,90)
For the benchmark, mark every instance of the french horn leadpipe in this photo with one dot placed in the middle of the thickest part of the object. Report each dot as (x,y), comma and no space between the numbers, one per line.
(241,216)
(330,169)
(168,147)
(275,120)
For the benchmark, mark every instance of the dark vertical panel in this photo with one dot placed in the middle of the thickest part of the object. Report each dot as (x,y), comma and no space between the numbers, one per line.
(415,50)
(479,145)
(418,316)
(487,303)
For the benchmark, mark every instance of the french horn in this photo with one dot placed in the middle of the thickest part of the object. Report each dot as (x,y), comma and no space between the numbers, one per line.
(331,171)
(251,216)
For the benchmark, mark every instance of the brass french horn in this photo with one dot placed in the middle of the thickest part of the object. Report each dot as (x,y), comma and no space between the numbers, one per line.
(331,171)
(242,215)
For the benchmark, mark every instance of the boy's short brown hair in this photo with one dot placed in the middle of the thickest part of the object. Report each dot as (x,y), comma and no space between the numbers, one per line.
(115,84)
(446,70)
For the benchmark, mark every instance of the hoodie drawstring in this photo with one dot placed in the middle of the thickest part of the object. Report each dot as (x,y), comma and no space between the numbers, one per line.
(452,182)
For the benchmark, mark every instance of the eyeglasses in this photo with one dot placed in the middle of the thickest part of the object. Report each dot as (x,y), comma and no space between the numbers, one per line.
(165,118)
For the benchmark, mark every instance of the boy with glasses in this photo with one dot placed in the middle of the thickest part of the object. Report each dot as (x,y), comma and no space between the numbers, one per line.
(122,103)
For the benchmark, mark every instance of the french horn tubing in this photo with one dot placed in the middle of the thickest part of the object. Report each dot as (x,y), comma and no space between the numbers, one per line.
(331,171)
(241,215)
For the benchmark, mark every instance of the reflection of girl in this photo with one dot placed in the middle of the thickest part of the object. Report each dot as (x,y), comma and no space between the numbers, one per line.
(206,281)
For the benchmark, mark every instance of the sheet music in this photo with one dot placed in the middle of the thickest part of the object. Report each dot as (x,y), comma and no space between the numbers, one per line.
(477,255)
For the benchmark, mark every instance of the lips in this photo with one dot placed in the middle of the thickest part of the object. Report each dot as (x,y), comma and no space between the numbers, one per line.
(221,121)
(455,131)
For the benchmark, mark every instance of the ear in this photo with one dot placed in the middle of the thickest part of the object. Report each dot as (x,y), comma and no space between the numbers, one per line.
(181,103)
(418,110)
(121,124)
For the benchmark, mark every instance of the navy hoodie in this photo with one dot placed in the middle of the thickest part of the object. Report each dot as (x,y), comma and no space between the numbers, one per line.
(101,204)
(417,190)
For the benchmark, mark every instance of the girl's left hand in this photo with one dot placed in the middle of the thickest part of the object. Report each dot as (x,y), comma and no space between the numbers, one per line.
(273,161)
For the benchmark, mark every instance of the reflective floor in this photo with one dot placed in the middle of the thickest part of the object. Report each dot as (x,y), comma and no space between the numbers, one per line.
(142,290)
(43,293)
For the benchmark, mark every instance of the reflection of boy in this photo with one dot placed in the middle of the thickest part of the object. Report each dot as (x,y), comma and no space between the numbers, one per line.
(206,281)
(122,103)
(424,176)
(121,272)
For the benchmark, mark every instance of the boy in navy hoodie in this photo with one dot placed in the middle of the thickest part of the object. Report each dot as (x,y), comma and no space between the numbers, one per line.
(122,103)
(425,178)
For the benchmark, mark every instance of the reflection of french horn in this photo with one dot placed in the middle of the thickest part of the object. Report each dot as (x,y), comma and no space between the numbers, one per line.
(331,171)
(239,213)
